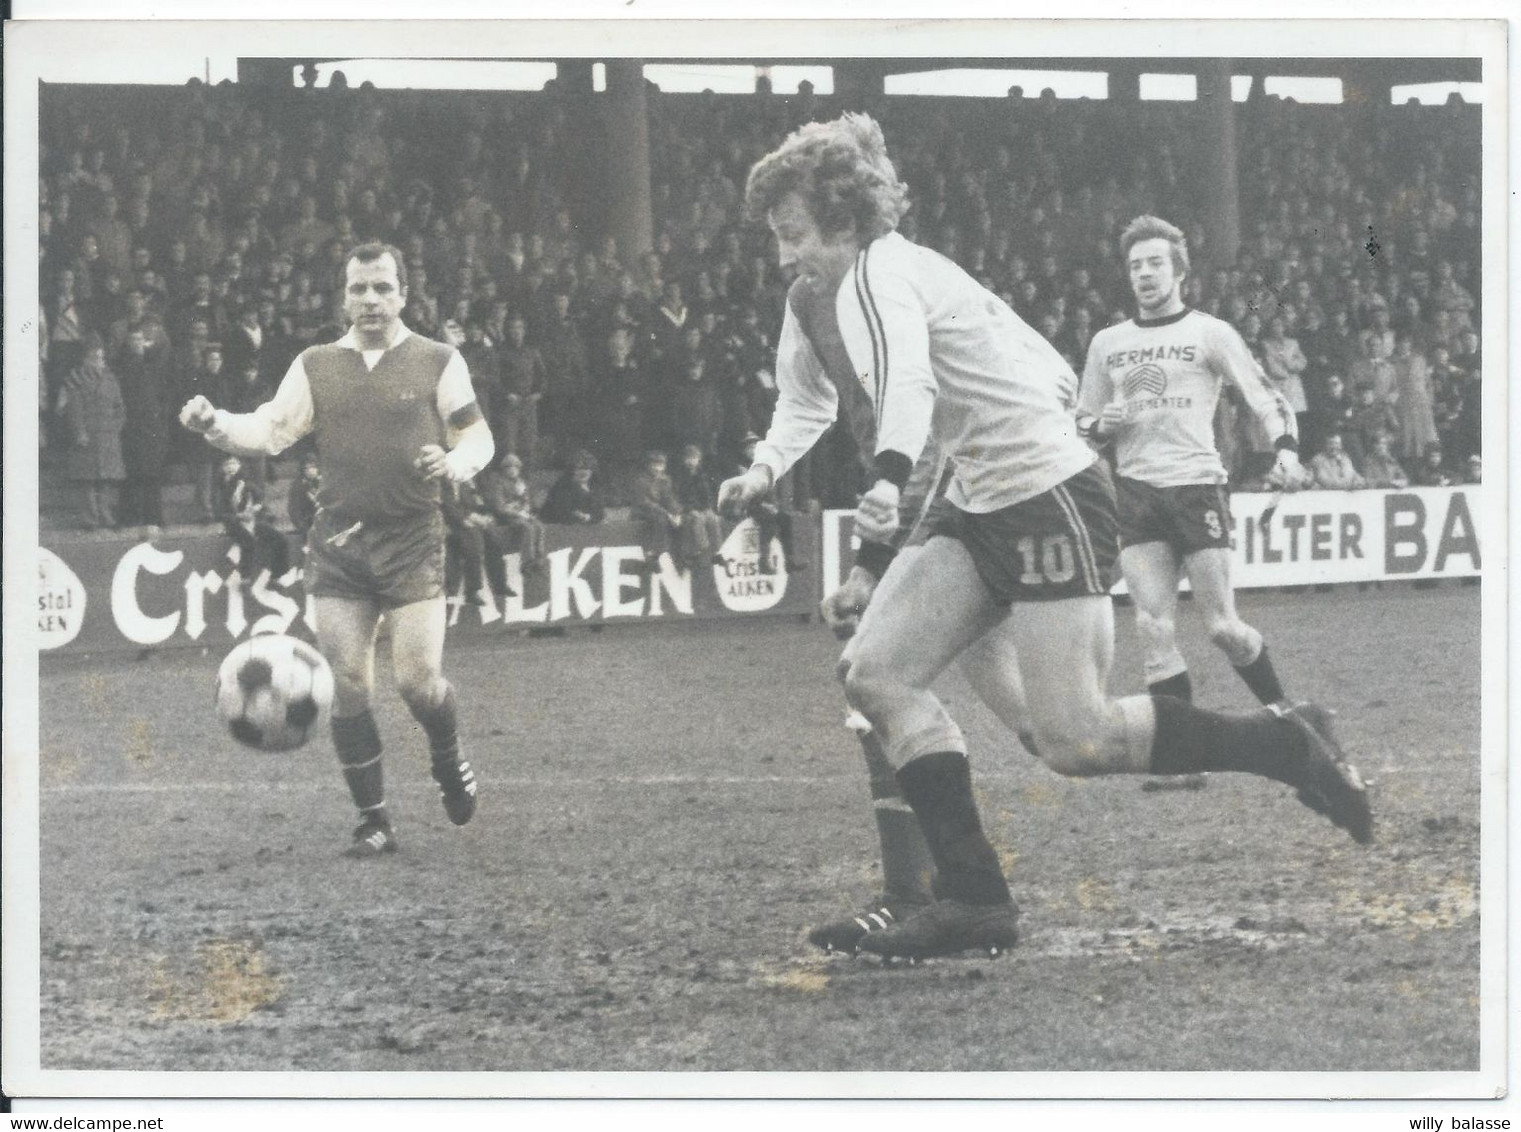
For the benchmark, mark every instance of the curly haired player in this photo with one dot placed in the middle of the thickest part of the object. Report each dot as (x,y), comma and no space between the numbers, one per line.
(1026,547)
(383,404)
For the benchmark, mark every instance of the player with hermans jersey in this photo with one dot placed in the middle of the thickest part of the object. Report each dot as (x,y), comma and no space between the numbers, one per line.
(1027,543)
(393,414)
(1150,387)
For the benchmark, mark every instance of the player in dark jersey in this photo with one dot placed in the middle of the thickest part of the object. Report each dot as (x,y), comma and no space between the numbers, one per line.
(393,414)
(1150,386)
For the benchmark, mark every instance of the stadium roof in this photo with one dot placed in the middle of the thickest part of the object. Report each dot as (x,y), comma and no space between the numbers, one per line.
(1374,71)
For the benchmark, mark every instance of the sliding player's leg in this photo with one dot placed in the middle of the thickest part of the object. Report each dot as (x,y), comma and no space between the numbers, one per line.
(939,607)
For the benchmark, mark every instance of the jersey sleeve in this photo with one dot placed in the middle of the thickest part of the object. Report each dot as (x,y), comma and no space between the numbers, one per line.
(1233,362)
(274,426)
(806,401)
(902,381)
(1096,389)
(456,396)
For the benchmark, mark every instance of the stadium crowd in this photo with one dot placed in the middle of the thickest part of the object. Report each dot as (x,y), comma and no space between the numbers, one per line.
(198,251)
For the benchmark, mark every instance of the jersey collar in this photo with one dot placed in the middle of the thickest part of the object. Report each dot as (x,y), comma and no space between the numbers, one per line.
(1165,320)
(352,343)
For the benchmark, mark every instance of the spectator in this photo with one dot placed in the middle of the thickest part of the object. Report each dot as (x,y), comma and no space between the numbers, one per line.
(1474,469)
(466,520)
(754,357)
(1374,369)
(621,402)
(655,509)
(696,489)
(243,345)
(66,337)
(113,236)
(567,378)
(1431,471)
(1283,361)
(301,499)
(245,391)
(1371,416)
(694,407)
(93,416)
(1380,468)
(574,498)
(145,387)
(240,509)
(308,309)
(200,305)
(509,500)
(206,380)
(1452,296)
(670,319)
(524,379)
(1337,411)
(138,318)
(1332,467)
(1415,403)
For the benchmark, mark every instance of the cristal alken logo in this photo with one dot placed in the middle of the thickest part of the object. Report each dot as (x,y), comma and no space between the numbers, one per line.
(747,578)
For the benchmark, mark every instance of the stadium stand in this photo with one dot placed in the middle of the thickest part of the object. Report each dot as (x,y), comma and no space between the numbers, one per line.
(211,223)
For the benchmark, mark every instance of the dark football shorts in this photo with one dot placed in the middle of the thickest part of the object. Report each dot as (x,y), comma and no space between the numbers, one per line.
(1191,517)
(1059,544)
(392,563)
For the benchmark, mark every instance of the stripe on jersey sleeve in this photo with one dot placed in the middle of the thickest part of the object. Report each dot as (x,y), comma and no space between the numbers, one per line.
(874,330)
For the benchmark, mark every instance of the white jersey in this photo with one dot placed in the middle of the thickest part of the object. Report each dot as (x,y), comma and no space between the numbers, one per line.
(940,357)
(1168,373)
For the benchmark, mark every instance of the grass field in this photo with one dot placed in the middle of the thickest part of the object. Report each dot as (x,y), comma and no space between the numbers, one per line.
(664,811)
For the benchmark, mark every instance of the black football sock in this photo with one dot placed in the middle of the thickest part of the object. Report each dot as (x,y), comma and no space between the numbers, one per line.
(907,866)
(358,744)
(441,724)
(1261,679)
(1179,687)
(939,788)
(1189,740)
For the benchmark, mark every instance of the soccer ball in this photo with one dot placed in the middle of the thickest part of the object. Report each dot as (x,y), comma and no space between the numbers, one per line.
(273,691)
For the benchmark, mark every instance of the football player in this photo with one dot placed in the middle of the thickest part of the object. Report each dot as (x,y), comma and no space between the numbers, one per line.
(1150,386)
(384,405)
(1028,542)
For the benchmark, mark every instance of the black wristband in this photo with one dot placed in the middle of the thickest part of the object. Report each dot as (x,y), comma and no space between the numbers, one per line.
(894,467)
(1286,442)
(875,557)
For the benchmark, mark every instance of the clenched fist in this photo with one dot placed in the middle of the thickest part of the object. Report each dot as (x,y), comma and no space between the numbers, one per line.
(877,514)
(842,609)
(198,415)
